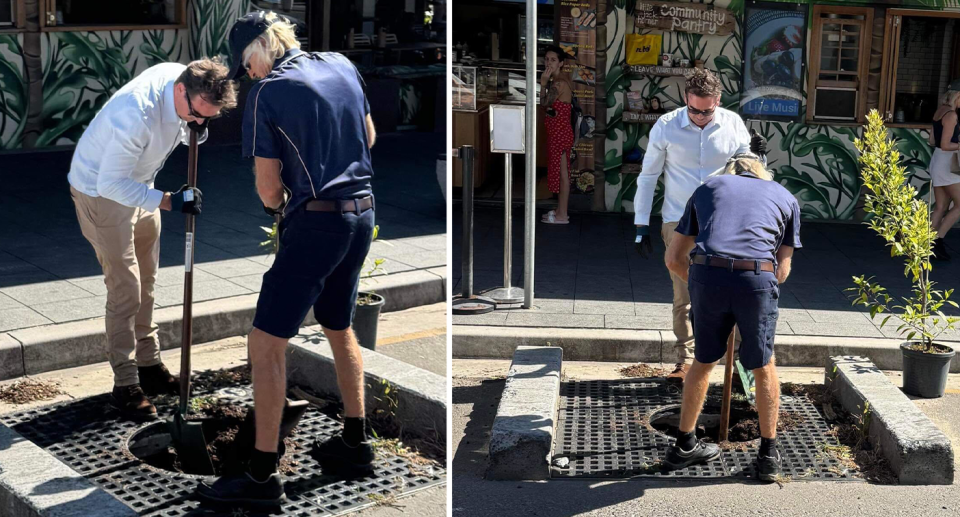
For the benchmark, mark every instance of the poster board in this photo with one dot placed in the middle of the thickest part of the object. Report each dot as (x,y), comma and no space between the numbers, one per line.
(576,33)
(773,68)
(507,129)
(684,17)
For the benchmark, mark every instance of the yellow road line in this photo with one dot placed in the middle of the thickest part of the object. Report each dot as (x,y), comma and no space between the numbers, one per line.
(952,391)
(411,336)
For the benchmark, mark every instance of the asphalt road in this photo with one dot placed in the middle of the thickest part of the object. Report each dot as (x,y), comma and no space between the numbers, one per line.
(476,394)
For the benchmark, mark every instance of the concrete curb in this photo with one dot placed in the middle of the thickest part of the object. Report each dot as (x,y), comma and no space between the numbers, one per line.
(421,396)
(521,438)
(494,342)
(78,343)
(917,450)
(35,484)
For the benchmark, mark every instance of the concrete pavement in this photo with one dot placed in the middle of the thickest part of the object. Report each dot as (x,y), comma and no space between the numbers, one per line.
(477,385)
(49,274)
(588,276)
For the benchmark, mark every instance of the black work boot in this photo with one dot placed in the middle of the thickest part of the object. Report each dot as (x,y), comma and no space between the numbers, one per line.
(768,467)
(940,249)
(243,488)
(702,452)
(157,380)
(132,403)
(336,451)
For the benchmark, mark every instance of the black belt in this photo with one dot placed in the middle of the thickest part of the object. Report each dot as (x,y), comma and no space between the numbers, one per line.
(340,205)
(747,265)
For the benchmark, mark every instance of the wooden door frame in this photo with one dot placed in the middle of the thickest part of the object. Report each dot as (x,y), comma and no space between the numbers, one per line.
(863,66)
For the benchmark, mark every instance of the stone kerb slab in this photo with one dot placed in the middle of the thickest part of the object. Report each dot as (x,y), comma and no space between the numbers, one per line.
(35,484)
(522,436)
(918,452)
(421,396)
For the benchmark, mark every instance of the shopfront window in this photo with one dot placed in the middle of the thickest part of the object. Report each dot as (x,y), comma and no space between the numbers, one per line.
(8,15)
(921,57)
(839,63)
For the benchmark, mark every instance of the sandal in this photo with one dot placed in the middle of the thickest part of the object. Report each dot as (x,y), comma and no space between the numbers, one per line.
(552,219)
(548,214)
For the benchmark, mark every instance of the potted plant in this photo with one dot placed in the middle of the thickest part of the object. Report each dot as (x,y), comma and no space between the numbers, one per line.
(903,220)
(369,303)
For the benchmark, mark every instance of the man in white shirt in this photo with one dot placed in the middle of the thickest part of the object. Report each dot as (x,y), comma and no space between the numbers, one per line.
(687,145)
(111,181)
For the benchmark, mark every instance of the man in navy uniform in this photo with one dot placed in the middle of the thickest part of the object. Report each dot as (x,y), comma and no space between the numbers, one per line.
(733,246)
(308,125)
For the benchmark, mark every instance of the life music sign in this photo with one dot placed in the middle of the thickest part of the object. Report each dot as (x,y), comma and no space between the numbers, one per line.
(577,37)
(684,17)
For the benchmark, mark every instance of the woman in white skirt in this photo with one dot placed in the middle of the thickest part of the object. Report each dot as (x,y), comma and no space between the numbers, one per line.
(946,184)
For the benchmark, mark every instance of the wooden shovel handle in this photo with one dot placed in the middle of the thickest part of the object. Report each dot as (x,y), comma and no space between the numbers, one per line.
(187,324)
(727,389)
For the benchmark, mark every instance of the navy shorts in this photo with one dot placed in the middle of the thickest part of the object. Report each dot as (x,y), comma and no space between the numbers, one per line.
(321,255)
(719,299)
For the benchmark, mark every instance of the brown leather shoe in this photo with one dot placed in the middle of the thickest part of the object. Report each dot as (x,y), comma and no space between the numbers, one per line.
(132,403)
(157,380)
(679,374)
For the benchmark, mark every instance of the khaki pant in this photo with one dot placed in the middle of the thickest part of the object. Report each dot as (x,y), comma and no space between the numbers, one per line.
(681,306)
(127,243)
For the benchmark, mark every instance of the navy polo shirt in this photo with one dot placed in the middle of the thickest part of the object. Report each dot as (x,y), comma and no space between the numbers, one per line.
(741,217)
(310,113)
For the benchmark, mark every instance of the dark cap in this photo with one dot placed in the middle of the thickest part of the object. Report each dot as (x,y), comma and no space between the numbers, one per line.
(248,28)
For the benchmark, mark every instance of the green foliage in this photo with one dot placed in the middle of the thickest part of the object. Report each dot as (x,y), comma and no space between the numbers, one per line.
(13,94)
(903,221)
(153,50)
(211,24)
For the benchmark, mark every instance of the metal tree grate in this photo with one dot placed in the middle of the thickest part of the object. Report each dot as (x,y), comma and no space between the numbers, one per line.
(87,436)
(602,431)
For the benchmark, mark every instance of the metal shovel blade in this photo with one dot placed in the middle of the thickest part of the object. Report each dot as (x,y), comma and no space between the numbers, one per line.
(191,445)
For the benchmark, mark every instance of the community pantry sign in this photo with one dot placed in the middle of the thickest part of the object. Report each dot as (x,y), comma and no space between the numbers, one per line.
(684,17)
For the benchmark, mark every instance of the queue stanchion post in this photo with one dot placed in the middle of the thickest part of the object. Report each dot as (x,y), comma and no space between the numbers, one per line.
(467,302)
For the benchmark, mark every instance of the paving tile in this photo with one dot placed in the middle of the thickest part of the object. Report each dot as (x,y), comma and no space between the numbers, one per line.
(835,329)
(616,321)
(252,282)
(582,306)
(44,292)
(19,318)
(72,310)
(851,316)
(519,319)
(491,318)
(210,290)
(232,267)
(9,303)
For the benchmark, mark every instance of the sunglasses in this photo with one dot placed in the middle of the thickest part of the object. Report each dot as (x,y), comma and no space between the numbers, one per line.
(703,113)
(193,112)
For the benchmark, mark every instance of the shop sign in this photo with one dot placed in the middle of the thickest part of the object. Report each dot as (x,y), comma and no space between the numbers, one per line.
(684,17)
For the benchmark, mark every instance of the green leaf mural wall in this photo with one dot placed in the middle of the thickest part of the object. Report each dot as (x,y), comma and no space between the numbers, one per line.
(81,70)
(817,163)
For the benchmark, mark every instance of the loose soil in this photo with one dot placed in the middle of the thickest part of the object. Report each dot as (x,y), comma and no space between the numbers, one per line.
(642,370)
(934,348)
(855,453)
(744,424)
(25,391)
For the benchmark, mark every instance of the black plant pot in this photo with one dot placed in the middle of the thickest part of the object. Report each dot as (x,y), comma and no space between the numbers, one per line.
(925,374)
(366,318)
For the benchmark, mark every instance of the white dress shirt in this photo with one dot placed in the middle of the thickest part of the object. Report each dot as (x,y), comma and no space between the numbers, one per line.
(687,155)
(129,140)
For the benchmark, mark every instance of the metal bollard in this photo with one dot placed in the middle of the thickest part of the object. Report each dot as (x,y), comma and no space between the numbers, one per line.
(467,302)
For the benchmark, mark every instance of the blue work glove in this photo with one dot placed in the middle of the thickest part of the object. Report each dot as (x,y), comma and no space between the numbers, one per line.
(758,144)
(187,200)
(644,243)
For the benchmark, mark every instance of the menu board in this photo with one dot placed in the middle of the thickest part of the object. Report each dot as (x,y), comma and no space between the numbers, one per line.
(774,39)
(576,34)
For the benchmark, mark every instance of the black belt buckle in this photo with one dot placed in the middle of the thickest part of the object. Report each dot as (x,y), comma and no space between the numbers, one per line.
(730,264)
(756,267)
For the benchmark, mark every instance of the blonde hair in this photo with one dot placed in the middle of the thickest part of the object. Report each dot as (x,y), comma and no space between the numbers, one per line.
(279,37)
(746,163)
(950,98)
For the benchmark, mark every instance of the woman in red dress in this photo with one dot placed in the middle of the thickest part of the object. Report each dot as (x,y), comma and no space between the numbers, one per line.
(556,94)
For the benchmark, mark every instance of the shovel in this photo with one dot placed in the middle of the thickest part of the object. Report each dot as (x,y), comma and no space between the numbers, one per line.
(727,391)
(187,435)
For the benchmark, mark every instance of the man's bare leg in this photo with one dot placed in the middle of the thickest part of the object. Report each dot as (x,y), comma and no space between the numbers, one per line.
(694,393)
(268,364)
(349,364)
(768,399)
